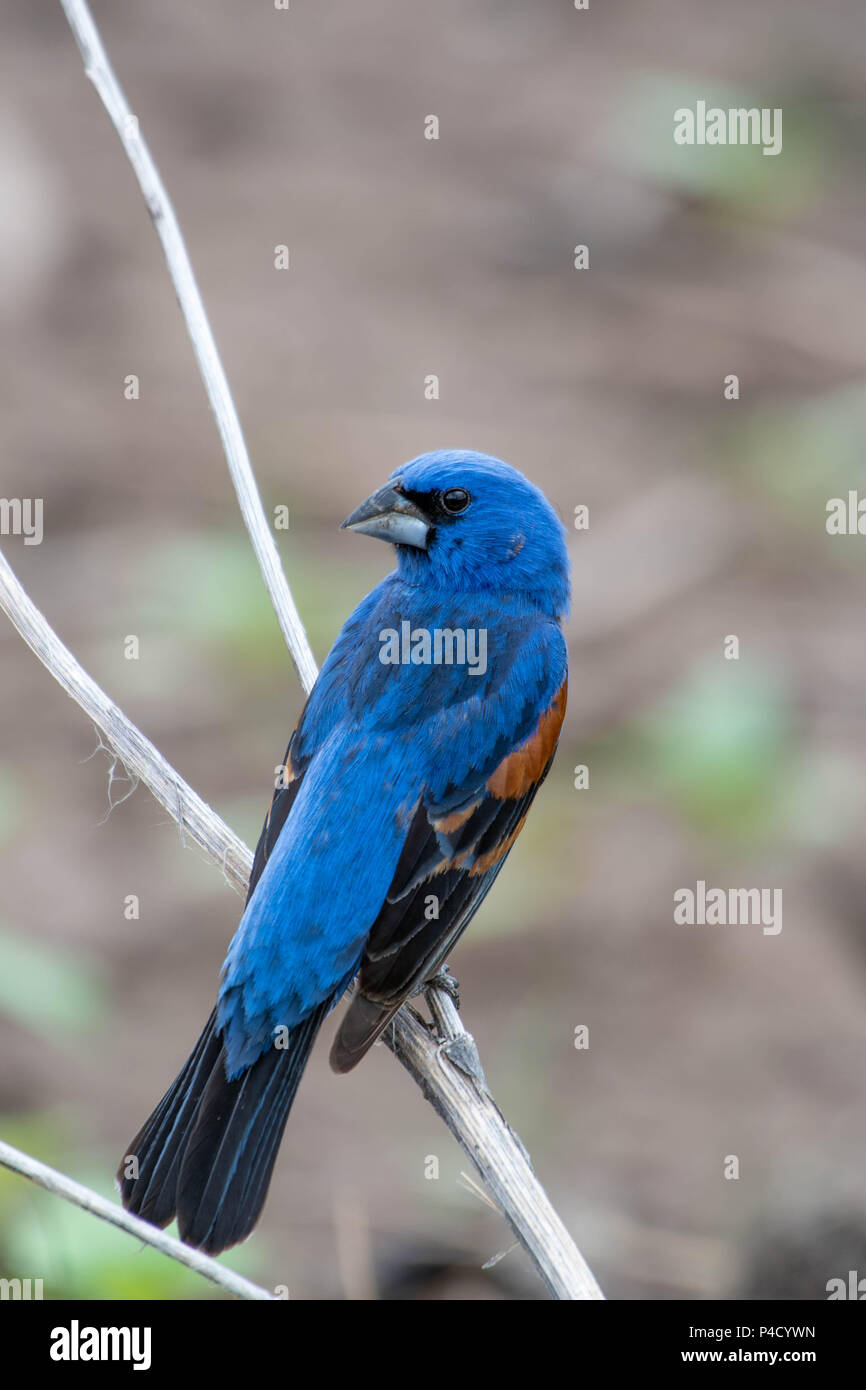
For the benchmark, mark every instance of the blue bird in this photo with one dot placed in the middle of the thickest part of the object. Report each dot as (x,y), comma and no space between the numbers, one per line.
(408,778)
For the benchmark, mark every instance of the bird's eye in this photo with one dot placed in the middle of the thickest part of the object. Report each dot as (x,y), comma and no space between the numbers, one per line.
(455,500)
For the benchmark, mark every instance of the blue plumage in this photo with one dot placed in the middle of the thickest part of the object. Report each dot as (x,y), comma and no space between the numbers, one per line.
(408,778)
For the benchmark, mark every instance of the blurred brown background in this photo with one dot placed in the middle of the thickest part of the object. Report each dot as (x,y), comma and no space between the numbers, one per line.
(707,518)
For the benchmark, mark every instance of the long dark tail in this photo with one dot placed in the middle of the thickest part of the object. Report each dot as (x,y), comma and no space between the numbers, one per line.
(207,1152)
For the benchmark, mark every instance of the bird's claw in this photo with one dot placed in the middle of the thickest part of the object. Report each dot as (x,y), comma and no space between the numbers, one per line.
(444,980)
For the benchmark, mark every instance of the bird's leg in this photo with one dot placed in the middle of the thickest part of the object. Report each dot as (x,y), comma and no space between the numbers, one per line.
(443,1000)
(444,980)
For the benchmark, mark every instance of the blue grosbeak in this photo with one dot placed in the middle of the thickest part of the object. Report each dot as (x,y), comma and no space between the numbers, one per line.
(407,780)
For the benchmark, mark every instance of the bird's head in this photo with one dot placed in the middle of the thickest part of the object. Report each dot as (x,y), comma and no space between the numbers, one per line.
(465,521)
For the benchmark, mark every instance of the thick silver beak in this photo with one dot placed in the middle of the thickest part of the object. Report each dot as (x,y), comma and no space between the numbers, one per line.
(389,516)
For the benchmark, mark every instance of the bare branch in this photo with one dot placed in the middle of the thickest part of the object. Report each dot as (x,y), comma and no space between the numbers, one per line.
(99,71)
(90,1201)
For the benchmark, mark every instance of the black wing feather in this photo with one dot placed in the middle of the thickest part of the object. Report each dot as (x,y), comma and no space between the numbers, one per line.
(405,947)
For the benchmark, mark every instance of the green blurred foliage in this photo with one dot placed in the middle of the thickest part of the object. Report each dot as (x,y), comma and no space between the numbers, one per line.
(737,176)
(200,605)
(801,455)
(720,748)
(209,588)
(47,988)
(77,1255)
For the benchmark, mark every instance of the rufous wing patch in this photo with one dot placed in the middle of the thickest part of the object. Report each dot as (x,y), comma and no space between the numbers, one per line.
(520,771)
(446,825)
(493,856)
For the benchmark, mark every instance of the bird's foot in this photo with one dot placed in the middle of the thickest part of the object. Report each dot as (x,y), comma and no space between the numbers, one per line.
(444,980)
(454,1041)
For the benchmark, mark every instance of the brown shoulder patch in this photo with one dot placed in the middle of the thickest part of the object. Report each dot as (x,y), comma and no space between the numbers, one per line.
(522,768)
